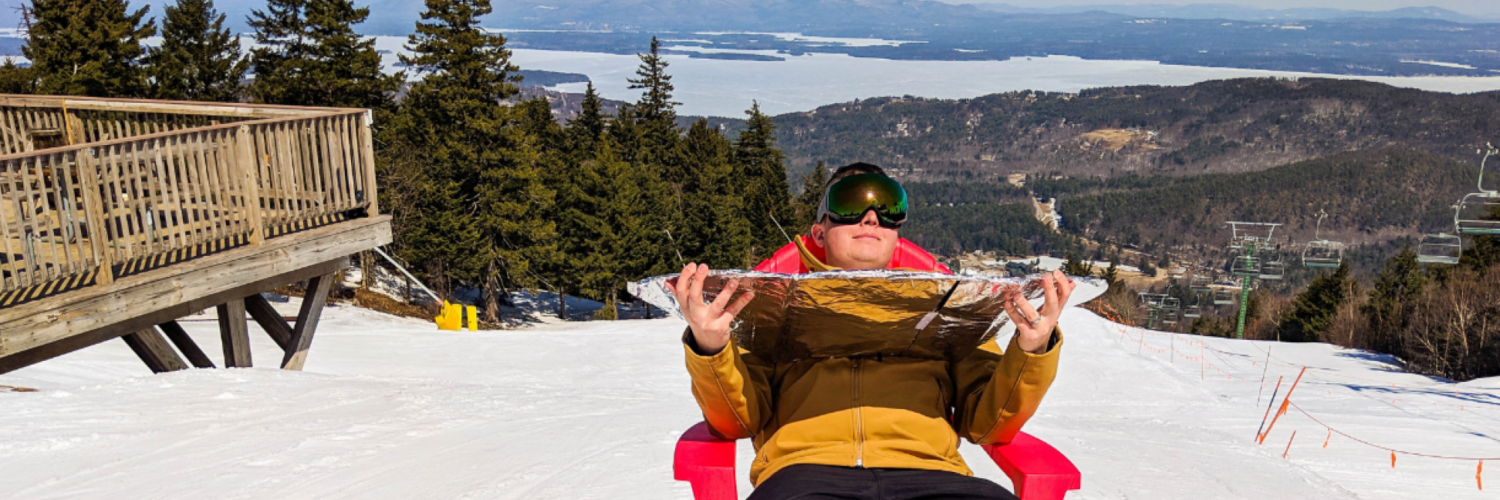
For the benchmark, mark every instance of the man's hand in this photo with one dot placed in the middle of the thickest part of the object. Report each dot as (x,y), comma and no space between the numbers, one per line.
(1033,327)
(710,323)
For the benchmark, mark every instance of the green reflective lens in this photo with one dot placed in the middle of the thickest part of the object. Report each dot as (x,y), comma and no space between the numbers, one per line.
(848,199)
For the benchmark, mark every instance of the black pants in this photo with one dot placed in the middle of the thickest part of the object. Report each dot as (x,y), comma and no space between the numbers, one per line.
(826,482)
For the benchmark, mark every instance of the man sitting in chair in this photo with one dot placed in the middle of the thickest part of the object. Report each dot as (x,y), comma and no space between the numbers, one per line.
(866,427)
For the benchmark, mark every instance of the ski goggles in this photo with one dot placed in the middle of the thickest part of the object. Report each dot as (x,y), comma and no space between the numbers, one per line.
(846,201)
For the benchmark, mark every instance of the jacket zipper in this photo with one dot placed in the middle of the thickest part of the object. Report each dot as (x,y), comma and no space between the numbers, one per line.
(859,429)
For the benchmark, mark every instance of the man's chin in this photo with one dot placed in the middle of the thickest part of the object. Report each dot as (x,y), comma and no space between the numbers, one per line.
(871,260)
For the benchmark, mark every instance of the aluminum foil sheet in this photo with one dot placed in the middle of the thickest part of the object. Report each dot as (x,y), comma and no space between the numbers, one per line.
(863,313)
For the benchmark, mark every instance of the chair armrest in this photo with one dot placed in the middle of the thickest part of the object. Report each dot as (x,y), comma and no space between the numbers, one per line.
(1036,469)
(706,462)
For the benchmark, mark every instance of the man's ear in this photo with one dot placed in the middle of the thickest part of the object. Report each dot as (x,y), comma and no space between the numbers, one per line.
(819,235)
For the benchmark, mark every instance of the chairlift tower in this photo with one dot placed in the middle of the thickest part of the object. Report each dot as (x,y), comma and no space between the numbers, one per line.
(1246,236)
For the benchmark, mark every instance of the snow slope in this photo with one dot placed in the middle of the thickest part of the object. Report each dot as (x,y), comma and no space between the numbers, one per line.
(391,408)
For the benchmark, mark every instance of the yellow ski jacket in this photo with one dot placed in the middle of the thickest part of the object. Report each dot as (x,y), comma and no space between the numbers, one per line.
(869,411)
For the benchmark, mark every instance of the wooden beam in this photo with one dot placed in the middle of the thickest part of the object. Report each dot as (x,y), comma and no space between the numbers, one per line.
(162,106)
(185,344)
(11,362)
(203,282)
(307,322)
(234,334)
(155,351)
(126,137)
(269,320)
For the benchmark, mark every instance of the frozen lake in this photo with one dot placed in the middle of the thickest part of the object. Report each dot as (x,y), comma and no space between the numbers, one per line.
(718,87)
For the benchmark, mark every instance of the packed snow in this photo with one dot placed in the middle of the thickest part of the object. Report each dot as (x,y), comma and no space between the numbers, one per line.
(392,408)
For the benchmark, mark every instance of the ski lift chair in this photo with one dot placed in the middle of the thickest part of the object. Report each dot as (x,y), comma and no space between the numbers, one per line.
(1272,271)
(1194,310)
(1245,266)
(1036,469)
(1223,296)
(1272,267)
(1152,300)
(1171,304)
(1200,283)
(1323,253)
(1441,248)
(1478,213)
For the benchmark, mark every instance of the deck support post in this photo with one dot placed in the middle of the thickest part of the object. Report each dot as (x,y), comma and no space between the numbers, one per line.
(269,320)
(234,334)
(184,343)
(154,350)
(307,322)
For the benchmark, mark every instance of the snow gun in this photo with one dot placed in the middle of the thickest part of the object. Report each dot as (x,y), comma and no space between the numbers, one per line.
(452,317)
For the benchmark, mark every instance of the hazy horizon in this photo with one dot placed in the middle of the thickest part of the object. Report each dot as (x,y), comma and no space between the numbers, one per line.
(1470,7)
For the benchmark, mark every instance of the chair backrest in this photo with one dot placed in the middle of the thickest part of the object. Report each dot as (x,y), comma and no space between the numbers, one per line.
(908,256)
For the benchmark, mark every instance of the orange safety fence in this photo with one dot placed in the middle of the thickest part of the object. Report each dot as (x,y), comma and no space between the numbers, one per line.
(1320,373)
(1138,335)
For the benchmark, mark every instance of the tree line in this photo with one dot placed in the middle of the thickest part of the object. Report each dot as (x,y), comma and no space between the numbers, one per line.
(485,193)
(1220,126)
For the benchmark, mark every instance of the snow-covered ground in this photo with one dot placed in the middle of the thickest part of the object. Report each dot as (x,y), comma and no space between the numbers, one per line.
(392,408)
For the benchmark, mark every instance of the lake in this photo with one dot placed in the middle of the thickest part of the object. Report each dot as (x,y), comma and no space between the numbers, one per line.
(718,87)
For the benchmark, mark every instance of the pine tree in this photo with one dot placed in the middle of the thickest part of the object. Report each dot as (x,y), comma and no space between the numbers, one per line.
(761,172)
(806,205)
(535,242)
(714,229)
(1315,307)
(1111,276)
(1074,266)
(650,143)
(656,113)
(309,55)
(1392,301)
(199,59)
(484,163)
(16,79)
(656,102)
(585,130)
(88,47)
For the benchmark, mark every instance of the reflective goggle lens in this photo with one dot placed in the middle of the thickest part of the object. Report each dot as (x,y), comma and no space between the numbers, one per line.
(848,199)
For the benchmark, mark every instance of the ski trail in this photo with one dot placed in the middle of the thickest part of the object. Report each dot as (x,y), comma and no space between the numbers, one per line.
(391,408)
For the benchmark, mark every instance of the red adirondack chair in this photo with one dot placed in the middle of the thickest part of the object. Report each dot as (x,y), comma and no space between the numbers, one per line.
(1036,469)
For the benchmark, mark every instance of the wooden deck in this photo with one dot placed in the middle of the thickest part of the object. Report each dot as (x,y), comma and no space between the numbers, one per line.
(118,216)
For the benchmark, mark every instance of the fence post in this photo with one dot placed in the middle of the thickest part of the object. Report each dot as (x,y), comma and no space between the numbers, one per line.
(93,212)
(367,145)
(248,174)
(73,127)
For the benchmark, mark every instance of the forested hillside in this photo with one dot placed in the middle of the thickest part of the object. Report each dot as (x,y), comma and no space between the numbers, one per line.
(1241,125)
(1370,196)
(1373,198)
(1007,228)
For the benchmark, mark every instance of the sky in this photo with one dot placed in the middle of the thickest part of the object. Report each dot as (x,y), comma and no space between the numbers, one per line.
(1471,7)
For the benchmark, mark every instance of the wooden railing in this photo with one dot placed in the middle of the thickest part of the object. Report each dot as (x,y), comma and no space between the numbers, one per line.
(176,187)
